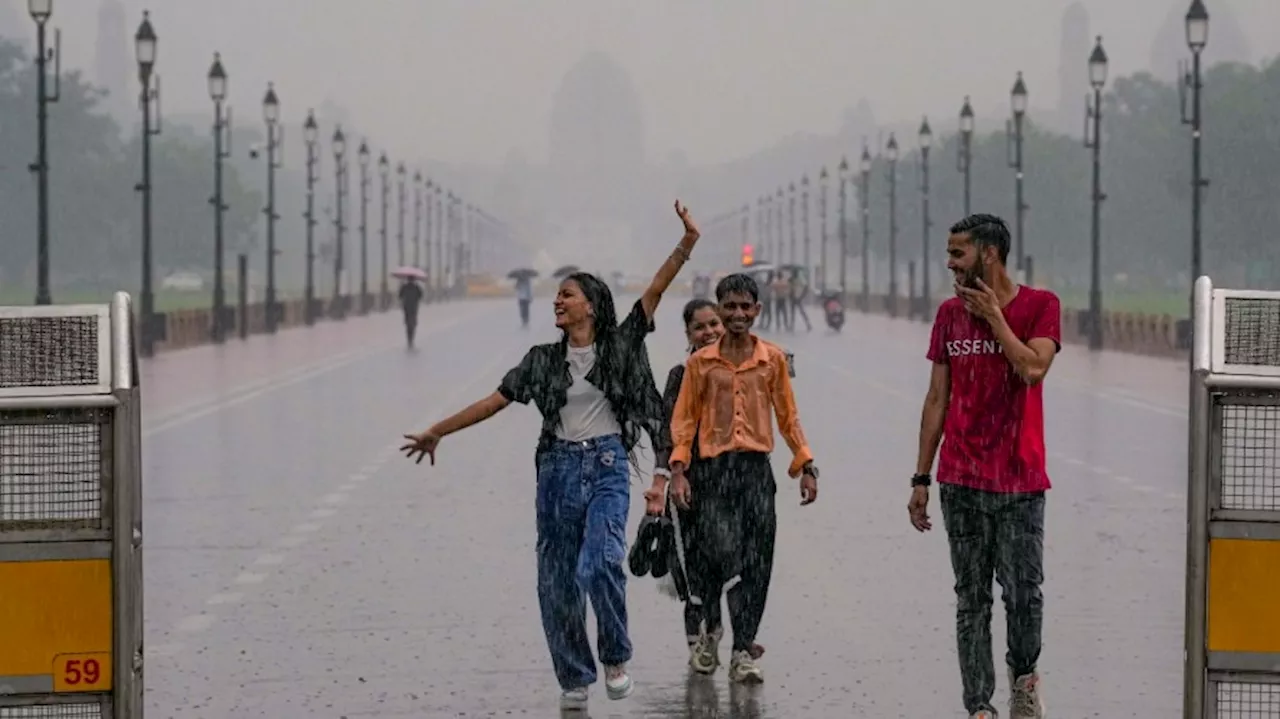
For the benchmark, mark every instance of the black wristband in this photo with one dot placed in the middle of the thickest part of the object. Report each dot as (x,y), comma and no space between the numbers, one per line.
(921,480)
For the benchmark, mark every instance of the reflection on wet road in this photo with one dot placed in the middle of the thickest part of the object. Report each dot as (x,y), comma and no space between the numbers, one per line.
(298,567)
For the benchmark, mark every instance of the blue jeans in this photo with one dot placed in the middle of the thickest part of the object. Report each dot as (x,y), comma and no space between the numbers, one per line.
(582,502)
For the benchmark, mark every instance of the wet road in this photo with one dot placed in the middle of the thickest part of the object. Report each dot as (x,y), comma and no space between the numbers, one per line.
(297,567)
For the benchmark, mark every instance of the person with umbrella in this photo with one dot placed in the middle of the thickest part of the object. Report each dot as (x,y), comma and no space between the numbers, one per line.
(524,291)
(595,390)
(411,294)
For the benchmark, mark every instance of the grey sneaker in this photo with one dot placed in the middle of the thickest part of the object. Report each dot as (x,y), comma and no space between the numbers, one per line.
(704,654)
(1025,701)
(574,699)
(617,682)
(743,669)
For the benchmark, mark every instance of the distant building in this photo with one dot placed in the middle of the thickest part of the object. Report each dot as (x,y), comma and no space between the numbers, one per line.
(1073,68)
(1227,41)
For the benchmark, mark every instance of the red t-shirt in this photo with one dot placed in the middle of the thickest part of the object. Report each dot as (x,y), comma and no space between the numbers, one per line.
(993,437)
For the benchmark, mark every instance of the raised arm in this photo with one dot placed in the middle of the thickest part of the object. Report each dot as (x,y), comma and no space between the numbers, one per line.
(667,272)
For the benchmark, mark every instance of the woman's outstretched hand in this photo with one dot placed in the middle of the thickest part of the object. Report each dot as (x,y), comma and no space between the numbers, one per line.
(690,227)
(422,444)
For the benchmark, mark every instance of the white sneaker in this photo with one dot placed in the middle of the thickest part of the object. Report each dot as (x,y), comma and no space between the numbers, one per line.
(743,669)
(571,699)
(617,682)
(1025,701)
(704,654)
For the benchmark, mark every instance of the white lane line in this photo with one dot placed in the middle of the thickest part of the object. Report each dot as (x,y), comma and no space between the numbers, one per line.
(1073,460)
(360,477)
(306,527)
(224,598)
(1123,479)
(269,560)
(323,513)
(1099,470)
(335,498)
(250,578)
(347,487)
(196,623)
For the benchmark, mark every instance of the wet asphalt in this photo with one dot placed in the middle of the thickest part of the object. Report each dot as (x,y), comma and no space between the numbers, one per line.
(297,566)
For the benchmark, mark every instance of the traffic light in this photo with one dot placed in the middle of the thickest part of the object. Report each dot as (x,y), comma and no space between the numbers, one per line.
(748,255)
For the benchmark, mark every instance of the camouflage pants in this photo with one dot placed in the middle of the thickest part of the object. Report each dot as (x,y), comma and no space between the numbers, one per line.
(1000,536)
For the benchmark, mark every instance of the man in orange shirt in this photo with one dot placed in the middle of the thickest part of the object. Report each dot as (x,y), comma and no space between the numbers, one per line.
(725,400)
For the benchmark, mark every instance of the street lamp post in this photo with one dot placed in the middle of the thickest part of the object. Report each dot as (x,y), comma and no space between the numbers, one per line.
(417,219)
(1093,141)
(221,130)
(362,155)
(384,172)
(1018,102)
(310,133)
(865,207)
(926,142)
(1197,37)
(275,133)
(145,49)
(339,239)
(804,218)
(791,221)
(964,161)
(843,177)
(822,229)
(891,153)
(400,175)
(40,11)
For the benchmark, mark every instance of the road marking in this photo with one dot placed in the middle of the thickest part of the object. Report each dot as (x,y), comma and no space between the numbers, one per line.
(1123,479)
(360,477)
(224,598)
(347,487)
(269,560)
(250,578)
(196,623)
(335,498)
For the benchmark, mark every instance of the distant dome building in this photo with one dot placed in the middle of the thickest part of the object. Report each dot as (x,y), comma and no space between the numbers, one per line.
(596,118)
(1073,65)
(1227,41)
(112,60)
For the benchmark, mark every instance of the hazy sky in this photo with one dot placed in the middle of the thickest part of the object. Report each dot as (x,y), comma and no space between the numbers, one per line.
(470,80)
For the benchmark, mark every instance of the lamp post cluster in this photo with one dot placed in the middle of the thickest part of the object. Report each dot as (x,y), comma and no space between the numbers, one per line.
(462,234)
(769,232)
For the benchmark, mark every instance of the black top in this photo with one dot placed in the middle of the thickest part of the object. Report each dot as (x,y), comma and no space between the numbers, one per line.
(669,396)
(621,372)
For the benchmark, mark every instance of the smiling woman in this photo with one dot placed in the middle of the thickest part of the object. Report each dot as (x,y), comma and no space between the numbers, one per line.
(595,391)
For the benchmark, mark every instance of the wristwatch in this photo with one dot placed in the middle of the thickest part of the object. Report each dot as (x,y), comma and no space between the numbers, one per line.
(810,469)
(921,480)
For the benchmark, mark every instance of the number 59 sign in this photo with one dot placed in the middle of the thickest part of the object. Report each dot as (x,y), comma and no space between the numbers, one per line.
(82,672)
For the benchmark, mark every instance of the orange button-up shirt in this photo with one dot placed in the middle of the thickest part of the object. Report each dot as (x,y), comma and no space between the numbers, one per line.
(727,407)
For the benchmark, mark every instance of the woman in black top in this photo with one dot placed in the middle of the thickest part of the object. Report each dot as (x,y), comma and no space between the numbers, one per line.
(596,393)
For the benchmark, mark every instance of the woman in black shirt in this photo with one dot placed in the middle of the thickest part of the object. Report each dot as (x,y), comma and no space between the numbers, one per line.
(596,393)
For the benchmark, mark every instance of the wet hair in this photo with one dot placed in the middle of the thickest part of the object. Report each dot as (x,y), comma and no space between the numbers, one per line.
(985,231)
(737,283)
(692,306)
(605,317)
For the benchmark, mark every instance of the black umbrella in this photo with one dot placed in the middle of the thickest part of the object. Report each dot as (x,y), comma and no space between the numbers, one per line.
(565,271)
(522,273)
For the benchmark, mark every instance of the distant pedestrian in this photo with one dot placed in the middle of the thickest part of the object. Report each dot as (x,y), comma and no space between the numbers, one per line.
(410,301)
(595,391)
(729,390)
(992,345)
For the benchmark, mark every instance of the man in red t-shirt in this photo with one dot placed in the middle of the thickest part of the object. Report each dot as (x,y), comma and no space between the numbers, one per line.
(992,345)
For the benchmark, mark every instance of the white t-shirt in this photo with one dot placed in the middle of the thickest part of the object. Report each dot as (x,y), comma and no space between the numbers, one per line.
(586,413)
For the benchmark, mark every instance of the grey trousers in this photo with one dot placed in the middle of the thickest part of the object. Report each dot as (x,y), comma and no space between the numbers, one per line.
(998,535)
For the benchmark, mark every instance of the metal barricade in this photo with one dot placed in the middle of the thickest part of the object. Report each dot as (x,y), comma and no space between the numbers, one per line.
(1232,660)
(70,513)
